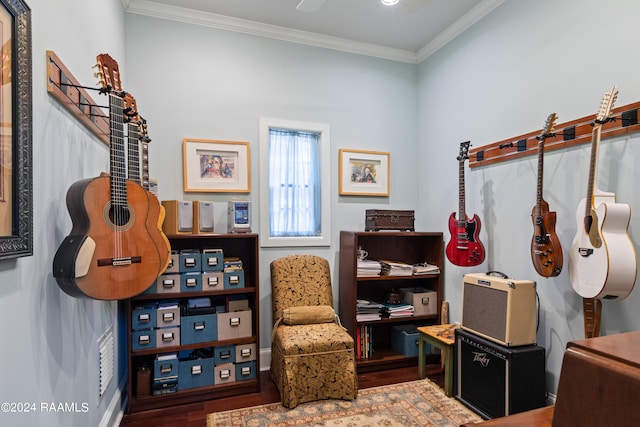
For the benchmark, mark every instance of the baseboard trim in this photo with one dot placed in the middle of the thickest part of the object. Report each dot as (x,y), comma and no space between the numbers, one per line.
(265,359)
(115,411)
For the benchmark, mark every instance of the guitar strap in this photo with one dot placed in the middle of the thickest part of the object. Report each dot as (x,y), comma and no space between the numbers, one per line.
(592,313)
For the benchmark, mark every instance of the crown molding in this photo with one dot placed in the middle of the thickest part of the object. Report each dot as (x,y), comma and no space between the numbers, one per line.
(190,16)
(474,15)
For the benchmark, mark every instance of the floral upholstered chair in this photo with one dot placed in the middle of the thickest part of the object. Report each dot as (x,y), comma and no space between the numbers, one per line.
(312,355)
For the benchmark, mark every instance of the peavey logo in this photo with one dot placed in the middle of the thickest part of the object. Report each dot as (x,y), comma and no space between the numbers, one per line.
(482,358)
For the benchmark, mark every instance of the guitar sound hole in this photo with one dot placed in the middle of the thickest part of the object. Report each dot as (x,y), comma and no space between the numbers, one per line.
(119,215)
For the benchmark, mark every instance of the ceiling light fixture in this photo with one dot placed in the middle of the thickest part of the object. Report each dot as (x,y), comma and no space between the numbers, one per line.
(389,2)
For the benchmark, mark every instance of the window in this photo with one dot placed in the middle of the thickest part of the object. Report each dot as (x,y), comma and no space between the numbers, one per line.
(295,182)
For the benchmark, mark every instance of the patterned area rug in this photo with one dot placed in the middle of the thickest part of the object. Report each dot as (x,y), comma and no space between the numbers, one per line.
(415,403)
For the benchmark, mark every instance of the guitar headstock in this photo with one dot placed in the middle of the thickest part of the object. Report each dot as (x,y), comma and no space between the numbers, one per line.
(129,108)
(109,73)
(548,125)
(464,151)
(606,105)
(144,130)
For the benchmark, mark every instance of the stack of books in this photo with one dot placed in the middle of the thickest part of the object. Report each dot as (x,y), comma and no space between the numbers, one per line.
(397,310)
(364,342)
(425,268)
(367,310)
(232,263)
(368,268)
(393,268)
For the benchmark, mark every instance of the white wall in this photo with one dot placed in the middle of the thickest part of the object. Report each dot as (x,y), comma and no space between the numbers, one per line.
(50,351)
(198,82)
(501,79)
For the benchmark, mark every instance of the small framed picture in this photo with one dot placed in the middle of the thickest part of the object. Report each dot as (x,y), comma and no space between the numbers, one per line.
(363,173)
(212,166)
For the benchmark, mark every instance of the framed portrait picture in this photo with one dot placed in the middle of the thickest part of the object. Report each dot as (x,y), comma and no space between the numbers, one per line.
(363,173)
(16,199)
(215,166)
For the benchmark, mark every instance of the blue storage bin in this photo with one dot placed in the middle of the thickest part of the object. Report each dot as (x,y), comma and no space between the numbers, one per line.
(404,339)
(234,279)
(195,373)
(198,329)
(143,339)
(224,354)
(191,282)
(245,371)
(143,317)
(190,260)
(212,260)
(166,368)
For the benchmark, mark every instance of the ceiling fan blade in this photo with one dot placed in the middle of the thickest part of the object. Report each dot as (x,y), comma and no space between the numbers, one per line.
(309,5)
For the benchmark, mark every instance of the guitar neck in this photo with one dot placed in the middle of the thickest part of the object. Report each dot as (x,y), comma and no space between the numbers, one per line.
(133,165)
(540,175)
(145,164)
(117,152)
(595,139)
(462,215)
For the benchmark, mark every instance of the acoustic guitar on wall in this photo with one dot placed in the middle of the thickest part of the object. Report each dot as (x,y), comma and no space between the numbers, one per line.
(464,248)
(602,261)
(109,253)
(138,171)
(546,251)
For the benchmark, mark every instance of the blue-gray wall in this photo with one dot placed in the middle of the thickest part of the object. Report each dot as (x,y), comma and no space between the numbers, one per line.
(500,78)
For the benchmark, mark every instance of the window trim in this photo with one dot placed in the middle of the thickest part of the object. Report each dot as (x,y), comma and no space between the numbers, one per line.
(265,123)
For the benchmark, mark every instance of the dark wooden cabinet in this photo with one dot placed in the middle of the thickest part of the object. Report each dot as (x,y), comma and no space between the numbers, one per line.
(407,247)
(242,246)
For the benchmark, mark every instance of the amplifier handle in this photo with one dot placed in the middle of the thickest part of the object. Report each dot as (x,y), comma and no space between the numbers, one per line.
(496,273)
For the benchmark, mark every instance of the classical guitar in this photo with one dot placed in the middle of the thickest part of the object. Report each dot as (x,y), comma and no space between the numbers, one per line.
(546,251)
(109,253)
(138,171)
(602,260)
(465,248)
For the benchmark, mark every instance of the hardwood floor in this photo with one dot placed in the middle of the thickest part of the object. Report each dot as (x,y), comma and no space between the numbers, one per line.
(194,414)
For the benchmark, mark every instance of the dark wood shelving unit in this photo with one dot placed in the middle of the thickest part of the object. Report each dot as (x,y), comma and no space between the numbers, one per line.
(243,246)
(401,246)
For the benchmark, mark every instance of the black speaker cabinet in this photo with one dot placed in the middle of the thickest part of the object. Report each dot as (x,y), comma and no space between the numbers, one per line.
(495,380)
(499,309)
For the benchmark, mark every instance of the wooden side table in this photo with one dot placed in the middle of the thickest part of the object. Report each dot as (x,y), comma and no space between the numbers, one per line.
(442,337)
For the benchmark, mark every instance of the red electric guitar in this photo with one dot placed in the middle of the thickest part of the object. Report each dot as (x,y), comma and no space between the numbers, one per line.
(465,248)
(546,251)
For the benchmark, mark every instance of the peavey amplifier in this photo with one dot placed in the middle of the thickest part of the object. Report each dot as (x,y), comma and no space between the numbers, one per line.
(500,309)
(496,381)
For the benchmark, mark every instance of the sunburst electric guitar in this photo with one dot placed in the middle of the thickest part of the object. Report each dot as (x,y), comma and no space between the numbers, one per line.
(465,248)
(109,253)
(602,261)
(546,251)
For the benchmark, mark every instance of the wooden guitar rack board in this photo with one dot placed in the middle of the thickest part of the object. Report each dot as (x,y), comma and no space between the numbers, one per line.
(624,120)
(65,88)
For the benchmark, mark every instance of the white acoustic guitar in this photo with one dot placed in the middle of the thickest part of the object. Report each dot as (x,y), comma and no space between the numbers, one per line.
(602,259)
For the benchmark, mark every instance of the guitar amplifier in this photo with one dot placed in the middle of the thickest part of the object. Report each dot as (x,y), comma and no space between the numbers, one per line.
(495,380)
(499,309)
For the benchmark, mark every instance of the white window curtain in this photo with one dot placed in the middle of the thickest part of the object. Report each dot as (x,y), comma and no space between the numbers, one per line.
(294,183)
